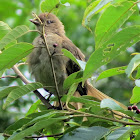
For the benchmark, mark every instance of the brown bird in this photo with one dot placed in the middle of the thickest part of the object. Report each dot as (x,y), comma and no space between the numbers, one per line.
(40,60)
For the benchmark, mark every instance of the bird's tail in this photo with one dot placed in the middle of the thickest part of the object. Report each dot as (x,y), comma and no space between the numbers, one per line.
(92,91)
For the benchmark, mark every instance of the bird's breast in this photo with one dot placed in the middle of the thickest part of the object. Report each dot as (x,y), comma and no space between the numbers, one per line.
(45,57)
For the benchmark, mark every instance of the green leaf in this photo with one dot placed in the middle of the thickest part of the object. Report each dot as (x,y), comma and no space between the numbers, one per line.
(80,63)
(50,6)
(38,126)
(94,8)
(111,49)
(45,116)
(111,72)
(71,92)
(20,91)
(4,29)
(13,35)
(70,55)
(111,20)
(83,133)
(12,55)
(133,64)
(18,124)
(108,103)
(4,91)
(73,78)
(82,99)
(136,95)
(122,133)
(33,108)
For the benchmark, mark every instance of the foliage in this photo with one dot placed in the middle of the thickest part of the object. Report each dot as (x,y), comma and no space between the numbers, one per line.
(95,120)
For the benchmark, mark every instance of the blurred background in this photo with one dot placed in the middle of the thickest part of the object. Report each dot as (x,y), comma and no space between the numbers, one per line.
(15,13)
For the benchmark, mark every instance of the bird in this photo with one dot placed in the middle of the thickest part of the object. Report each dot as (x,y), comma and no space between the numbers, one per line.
(48,64)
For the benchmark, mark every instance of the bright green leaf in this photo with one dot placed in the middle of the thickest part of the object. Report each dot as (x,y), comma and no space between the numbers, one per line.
(111,72)
(13,35)
(111,20)
(133,64)
(12,55)
(50,5)
(33,108)
(71,92)
(4,29)
(136,95)
(20,91)
(111,49)
(94,8)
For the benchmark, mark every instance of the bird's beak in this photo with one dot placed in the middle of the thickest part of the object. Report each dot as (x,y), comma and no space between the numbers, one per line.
(34,21)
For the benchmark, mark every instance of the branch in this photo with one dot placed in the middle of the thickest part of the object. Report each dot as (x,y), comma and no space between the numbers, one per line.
(83,114)
(22,77)
(42,136)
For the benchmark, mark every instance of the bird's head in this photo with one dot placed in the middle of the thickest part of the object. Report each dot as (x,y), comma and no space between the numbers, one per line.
(50,22)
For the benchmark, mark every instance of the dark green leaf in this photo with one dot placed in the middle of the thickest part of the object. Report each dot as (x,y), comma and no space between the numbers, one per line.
(73,78)
(38,126)
(4,91)
(122,133)
(20,91)
(83,133)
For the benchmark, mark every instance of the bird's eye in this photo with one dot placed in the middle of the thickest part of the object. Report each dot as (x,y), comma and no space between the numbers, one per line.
(49,21)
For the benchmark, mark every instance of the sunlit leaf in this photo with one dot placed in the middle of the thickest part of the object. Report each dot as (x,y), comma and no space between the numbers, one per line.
(111,72)
(50,6)
(136,95)
(111,49)
(13,35)
(133,64)
(111,20)
(12,55)
(4,29)
(71,92)
(94,8)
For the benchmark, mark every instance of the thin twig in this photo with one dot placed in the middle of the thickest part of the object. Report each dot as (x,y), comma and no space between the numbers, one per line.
(18,65)
(22,77)
(8,76)
(53,70)
(42,136)
(83,114)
